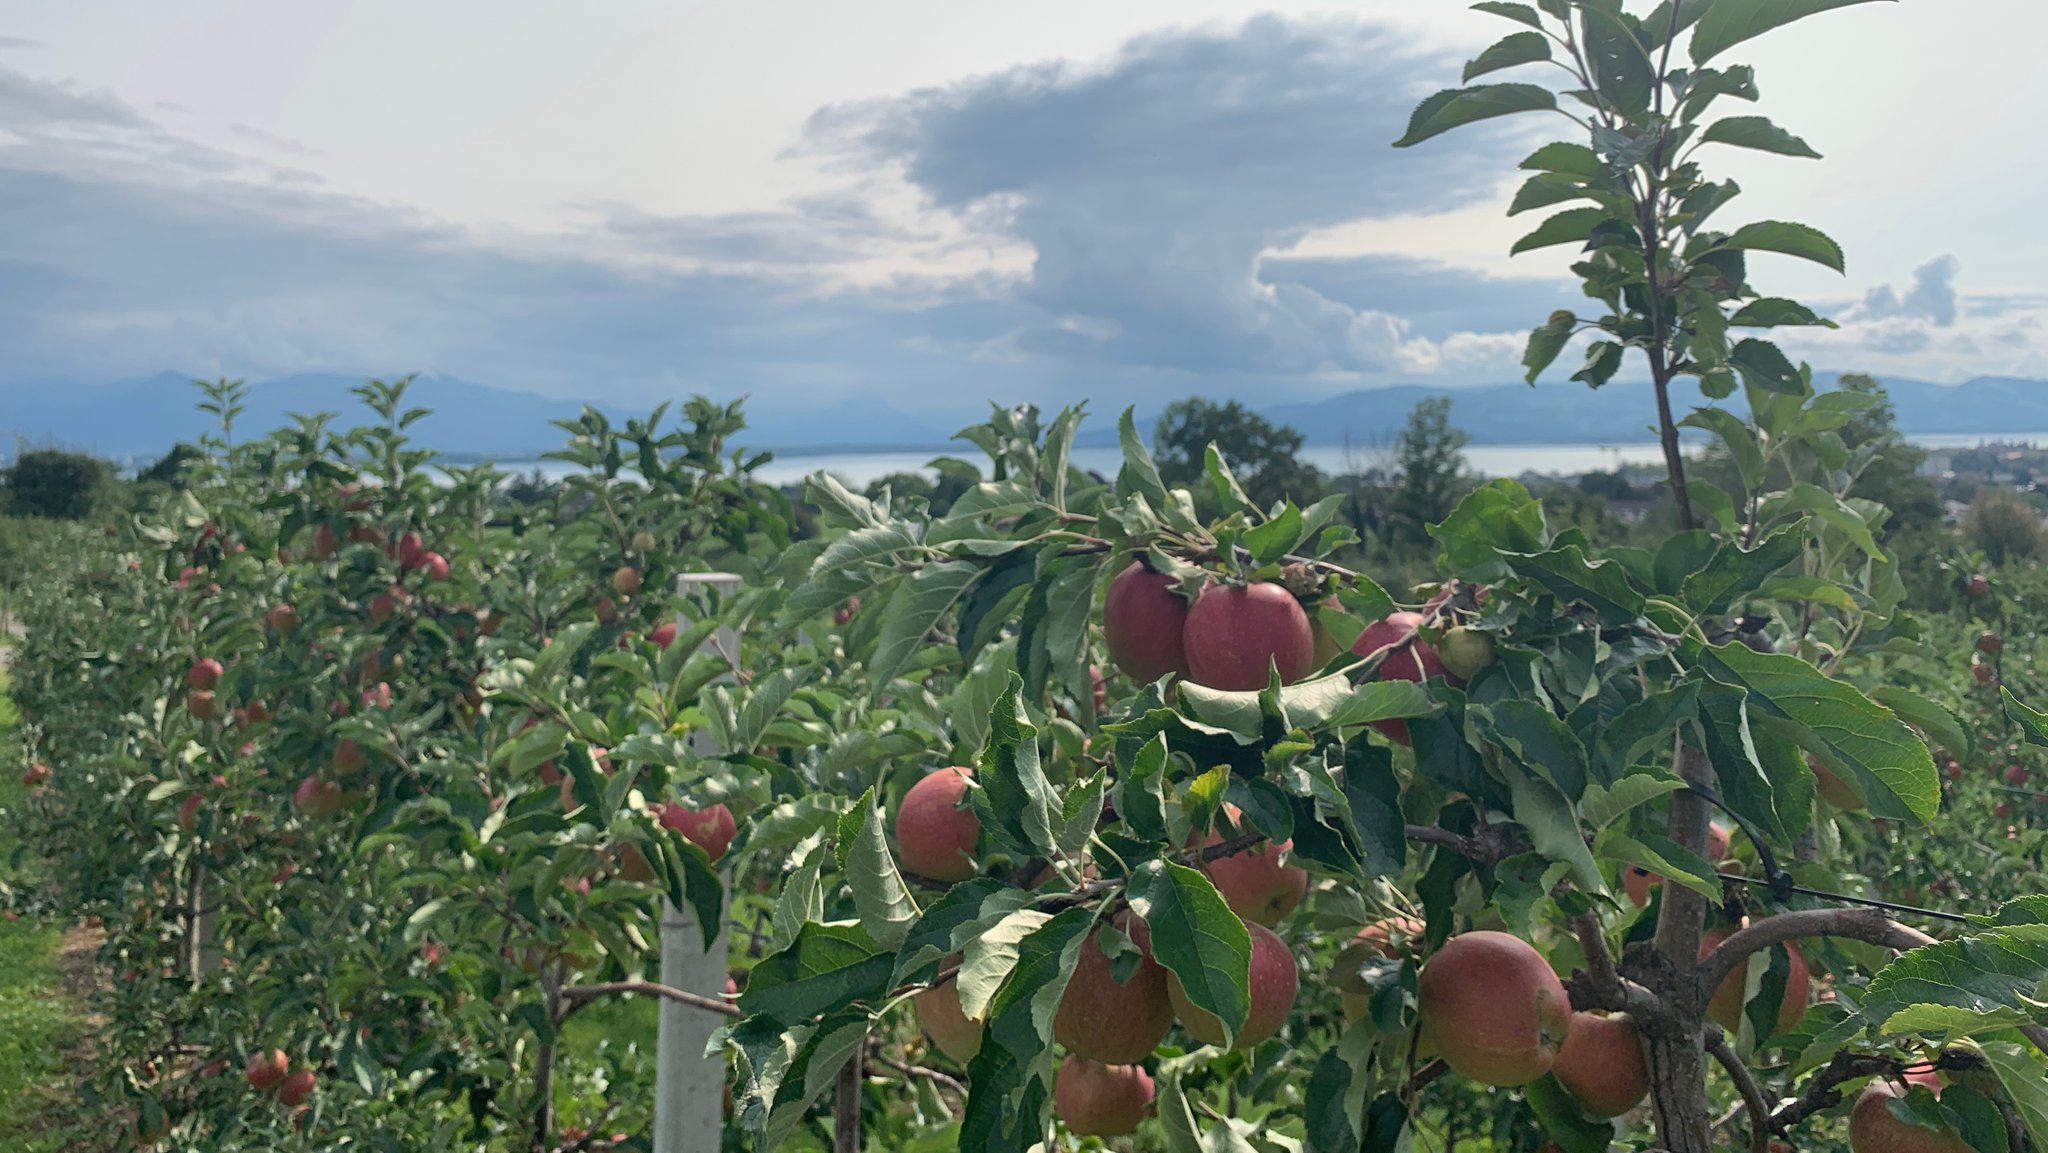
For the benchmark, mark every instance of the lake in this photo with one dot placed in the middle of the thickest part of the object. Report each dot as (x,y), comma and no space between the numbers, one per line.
(856,469)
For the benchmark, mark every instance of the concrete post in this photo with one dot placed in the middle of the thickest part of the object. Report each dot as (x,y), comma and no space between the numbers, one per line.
(689,1090)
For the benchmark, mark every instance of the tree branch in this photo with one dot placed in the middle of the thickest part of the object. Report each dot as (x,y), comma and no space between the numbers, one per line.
(576,996)
(943,1080)
(1822,1092)
(1860,924)
(1745,1084)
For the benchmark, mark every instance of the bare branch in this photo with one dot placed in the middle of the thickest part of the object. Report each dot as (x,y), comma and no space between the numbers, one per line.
(943,1080)
(1860,924)
(1824,1092)
(576,996)
(1745,1084)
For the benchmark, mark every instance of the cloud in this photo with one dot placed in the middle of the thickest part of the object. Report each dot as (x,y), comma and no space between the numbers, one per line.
(1932,297)
(1148,187)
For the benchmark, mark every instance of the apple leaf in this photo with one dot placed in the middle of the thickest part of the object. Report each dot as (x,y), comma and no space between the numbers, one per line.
(1456,107)
(1197,938)
(827,968)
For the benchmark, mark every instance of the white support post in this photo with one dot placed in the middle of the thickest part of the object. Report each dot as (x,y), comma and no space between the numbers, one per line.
(689,1088)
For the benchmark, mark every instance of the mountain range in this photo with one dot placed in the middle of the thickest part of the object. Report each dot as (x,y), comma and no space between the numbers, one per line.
(143,418)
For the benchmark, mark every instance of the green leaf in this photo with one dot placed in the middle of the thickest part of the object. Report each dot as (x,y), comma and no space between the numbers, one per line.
(1564,1121)
(827,968)
(1764,365)
(1015,801)
(1497,517)
(1566,159)
(1730,22)
(1603,360)
(1645,726)
(1382,701)
(1229,493)
(1602,585)
(1513,50)
(1197,938)
(1774,312)
(1759,133)
(1828,507)
(802,898)
(1520,13)
(1622,73)
(1572,226)
(1743,450)
(1554,827)
(1533,735)
(2033,725)
(1140,801)
(1080,812)
(879,894)
(1946,1023)
(1456,107)
(1012,1074)
(1779,236)
(1664,857)
(916,606)
(1736,572)
(1682,555)
(1845,728)
(1277,537)
(1984,972)
(1546,343)
(1764,777)
(1940,725)
(1603,806)
(1139,475)
(1547,188)
(987,960)
(2025,1080)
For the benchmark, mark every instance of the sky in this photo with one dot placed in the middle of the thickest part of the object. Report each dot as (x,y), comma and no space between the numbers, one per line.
(934,204)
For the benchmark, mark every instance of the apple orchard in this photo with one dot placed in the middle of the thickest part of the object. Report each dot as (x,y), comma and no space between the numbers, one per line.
(1094,813)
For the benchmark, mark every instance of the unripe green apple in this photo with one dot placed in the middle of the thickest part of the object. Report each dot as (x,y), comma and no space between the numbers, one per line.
(1465,652)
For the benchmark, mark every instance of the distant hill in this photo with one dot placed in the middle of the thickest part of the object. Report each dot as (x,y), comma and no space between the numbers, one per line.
(142,418)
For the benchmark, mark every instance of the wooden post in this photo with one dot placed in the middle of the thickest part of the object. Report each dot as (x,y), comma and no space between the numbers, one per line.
(689,1101)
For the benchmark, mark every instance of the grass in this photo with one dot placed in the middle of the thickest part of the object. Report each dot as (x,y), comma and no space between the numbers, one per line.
(41,1025)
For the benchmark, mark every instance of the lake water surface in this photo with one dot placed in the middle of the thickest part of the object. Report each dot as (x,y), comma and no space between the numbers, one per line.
(856,469)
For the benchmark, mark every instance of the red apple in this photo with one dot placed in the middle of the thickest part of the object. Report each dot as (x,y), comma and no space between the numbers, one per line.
(2016,774)
(936,829)
(626,580)
(1977,585)
(1236,635)
(1726,1007)
(1493,1009)
(1601,1065)
(1385,938)
(711,829)
(202,705)
(1255,881)
(204,674)
(1097,1100)
(1418,662)
(663,635)
(1990,644)
(36,774)
(1142,620)
(295,1088)
(1275,981)
(266,1069)
(317,797)
(955,1033)
(1873,1128)
(1104,1021)
(434,565)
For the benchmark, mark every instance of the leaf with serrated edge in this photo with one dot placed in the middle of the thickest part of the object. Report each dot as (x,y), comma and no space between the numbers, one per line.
(1847,729)
(988,959)
(1197,938)
(879,895)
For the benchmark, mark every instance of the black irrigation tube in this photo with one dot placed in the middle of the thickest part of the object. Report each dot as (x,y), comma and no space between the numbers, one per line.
(1783,885)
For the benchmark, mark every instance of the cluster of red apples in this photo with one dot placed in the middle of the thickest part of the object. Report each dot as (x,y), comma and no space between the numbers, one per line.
(1234,636)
